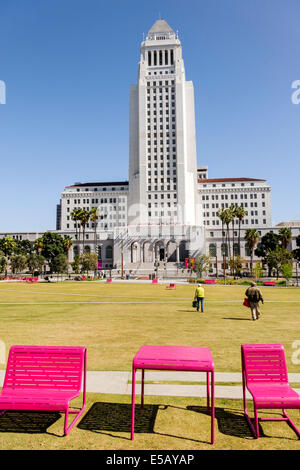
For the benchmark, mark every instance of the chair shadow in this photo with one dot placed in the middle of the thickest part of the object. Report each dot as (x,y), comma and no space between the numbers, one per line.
(231,422)
(116,417)
(30,422)
(104,418)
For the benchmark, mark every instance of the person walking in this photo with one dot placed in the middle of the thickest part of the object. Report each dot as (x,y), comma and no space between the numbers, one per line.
(254,296)
(199,297)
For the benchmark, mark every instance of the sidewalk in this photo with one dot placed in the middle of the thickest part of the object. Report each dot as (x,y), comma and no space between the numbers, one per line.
(119,383)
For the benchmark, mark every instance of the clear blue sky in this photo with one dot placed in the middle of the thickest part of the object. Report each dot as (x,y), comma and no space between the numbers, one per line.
(68,66)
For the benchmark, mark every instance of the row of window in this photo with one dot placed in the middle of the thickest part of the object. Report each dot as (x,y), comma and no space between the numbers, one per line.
(96,201)
(162,83)
(226,205)
(215,197)
(113,188)
(244,222)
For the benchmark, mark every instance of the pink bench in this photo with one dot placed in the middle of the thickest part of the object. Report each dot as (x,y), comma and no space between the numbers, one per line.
(171,286)
(108,280)
(270,283)
(44,378)
(154,281)
(210,281)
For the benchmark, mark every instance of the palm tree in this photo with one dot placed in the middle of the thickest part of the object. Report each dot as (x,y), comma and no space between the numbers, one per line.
(222,216)
(285,236)
(94,217)
(75,215)
(228,220)
(240,213)
(231,211)
(84,219)
(68,243)
(251,237)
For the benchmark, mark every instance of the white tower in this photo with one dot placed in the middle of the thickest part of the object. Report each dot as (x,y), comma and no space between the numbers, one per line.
(163,162)
(163,201)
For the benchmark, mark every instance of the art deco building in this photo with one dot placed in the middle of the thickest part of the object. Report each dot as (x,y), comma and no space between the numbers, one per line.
(164,220)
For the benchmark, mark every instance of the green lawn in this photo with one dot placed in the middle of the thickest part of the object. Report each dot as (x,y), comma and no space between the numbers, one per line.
(113,321)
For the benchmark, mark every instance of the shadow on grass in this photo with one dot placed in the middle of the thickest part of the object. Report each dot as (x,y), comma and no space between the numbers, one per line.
(116,417)
(30,422)
(231,422)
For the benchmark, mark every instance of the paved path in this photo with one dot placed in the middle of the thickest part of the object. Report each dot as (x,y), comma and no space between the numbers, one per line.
(119,383)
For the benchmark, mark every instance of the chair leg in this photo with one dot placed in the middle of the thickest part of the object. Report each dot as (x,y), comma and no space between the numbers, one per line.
(254,430)
(67,428)
(294,427)
(256,423)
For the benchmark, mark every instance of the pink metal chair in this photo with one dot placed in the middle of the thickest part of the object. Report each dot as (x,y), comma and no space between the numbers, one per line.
(265,376)
(44,378)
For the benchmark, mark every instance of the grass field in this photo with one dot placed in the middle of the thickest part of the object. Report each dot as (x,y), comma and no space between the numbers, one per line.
(114,320)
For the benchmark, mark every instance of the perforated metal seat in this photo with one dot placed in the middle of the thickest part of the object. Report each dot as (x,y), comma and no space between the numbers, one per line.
(44,378)
(265,376)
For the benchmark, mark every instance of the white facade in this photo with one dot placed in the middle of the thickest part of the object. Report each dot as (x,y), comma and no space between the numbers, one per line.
(110,198)
(253,194)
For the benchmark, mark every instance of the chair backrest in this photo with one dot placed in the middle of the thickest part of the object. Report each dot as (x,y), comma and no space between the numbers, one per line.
(45,368)
(264,363)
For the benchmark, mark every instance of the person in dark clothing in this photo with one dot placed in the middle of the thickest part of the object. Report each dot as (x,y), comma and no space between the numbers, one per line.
(254,296)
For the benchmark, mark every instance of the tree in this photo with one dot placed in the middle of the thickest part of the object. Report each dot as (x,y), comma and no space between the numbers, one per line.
(232,212)
(3,263)
(228,217)
(287,272)
(258,270)
(285,235)
(240,213)
(202,265)
(75,215)
(68,243)
(18,263)
(38,245)
(53,245)
(236,264)
(23,247)
(7,245)
(94,217)
(76,264)
(222,216)
(60,263)
(268,243)
(277,258)
(296,252)
(35,262)
(84,219)
(251,237)
(89,262)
